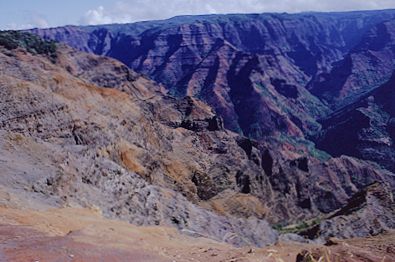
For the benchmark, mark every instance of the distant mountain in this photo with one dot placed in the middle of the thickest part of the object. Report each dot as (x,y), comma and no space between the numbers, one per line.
(365,129)
(253,69)
(368,65)
(241,129)
(269,76)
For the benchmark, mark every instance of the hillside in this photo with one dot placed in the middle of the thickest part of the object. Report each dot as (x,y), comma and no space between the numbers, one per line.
(203,128)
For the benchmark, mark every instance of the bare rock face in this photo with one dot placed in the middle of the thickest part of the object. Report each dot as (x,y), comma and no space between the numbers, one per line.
(356,74)
(252,69)
(370,212)
(86,130)
(68,141)
(268,76)
(365,129)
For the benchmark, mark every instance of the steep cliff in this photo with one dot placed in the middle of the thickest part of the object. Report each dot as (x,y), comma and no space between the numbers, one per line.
(367,66)
(253,69)
(79,129)
(365,129)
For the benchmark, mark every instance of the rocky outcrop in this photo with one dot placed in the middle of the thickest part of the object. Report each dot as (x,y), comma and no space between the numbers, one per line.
(357,74)
(365,129)
(268,76)
(85,130)
(69,137)
(370,212)
(252,69)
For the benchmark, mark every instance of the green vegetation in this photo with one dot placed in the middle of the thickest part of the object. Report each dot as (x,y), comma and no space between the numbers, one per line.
(307,145)
(31,43)
(297,228)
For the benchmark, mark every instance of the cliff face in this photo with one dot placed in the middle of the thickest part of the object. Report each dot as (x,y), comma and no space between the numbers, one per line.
(269,76)
(79,129)
(355,219)
(253,69)
(278,82)
(367,66)
(365,129)
(362,86)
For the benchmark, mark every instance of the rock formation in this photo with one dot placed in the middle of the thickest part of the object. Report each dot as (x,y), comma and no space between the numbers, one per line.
(220,144)
(261,73)
(369,212)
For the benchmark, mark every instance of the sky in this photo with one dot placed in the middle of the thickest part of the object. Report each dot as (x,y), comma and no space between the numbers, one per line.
(23,14)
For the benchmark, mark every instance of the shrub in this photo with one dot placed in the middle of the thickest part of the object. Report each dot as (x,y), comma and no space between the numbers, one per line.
(31,43)
(297,228)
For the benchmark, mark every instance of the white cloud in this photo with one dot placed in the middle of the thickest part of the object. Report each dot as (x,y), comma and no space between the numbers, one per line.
(96,16)
(35,21)
(39,21)
(138,10)
(15,26)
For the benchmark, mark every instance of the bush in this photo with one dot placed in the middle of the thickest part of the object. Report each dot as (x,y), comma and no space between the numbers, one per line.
(31,43)
(296,228)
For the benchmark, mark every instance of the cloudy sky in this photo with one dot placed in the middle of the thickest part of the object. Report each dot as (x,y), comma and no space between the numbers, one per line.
(20,14)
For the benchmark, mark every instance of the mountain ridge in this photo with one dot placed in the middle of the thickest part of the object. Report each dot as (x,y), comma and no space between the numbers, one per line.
(224,14)
(287,66)
(246,130)
(62,120)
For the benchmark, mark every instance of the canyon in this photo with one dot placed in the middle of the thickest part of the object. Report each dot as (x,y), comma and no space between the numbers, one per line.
(234,131)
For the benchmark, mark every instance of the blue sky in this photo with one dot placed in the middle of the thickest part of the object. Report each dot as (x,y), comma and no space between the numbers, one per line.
(20,14)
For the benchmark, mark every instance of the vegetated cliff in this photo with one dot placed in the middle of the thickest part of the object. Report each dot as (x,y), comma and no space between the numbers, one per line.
(365,129)
(79,129)
(269,76)
(356,219)
(367,66)
(252,69)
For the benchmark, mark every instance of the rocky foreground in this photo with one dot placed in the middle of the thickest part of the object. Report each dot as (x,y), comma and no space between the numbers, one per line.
(71,234)
(83,135)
